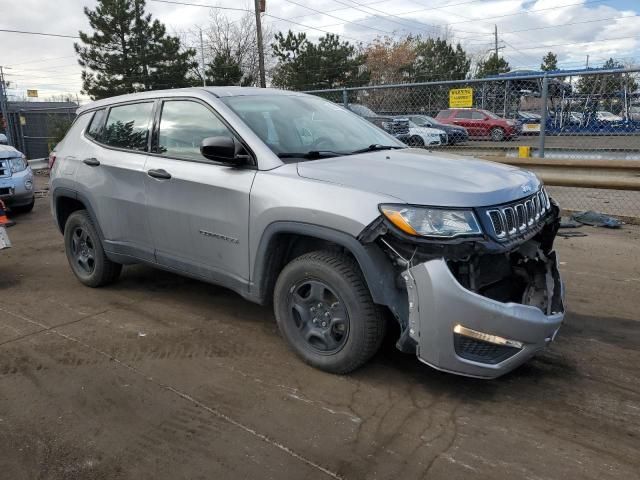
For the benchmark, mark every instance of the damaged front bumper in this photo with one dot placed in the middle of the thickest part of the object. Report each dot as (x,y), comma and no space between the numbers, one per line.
(459,331)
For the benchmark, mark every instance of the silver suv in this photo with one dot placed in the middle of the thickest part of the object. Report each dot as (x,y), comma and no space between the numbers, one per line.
(287,198)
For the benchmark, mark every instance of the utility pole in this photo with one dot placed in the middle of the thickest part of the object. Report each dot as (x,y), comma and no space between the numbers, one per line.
(3,106)
(263,80)
(587,61)
(495,34)
(204,75)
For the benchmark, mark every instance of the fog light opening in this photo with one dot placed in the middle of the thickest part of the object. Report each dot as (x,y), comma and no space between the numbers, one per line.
(486,337)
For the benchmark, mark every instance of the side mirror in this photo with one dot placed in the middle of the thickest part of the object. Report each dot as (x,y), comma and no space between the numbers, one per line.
(223,150)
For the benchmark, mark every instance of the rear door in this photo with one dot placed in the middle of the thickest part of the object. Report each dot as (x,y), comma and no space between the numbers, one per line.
(198,209)
(111,170)
(463,118)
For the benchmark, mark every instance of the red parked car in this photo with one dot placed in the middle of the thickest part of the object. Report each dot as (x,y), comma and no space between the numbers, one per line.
(480,123)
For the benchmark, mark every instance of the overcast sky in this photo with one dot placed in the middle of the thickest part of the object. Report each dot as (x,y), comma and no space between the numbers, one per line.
(527,29)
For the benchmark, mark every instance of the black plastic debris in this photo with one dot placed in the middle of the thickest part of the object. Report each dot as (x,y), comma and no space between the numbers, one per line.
(570,233)
(596,219)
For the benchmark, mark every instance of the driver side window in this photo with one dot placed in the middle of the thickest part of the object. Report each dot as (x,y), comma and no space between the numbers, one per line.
(183,126)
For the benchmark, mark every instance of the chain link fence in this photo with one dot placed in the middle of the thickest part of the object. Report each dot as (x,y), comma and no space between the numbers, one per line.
(577,119)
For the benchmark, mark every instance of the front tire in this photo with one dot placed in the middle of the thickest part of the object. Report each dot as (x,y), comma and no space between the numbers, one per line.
(85,253)
(416,141)
(24,208)
(325,312)
(497,134)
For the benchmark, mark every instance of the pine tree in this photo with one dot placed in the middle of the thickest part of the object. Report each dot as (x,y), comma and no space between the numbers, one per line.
(607,84)
(224,70)
(436,59)
(494,65)
(549,62)
(129,52)
(304,65)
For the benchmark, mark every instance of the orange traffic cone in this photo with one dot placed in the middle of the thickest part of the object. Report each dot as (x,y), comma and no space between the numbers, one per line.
(4,221)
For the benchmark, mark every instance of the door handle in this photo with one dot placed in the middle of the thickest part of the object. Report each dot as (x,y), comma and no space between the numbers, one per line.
(92,162)
(159,174)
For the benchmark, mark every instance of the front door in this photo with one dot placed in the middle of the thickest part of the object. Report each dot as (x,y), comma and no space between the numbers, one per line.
(198,210)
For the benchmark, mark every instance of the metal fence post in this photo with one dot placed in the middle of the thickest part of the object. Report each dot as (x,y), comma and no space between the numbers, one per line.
(543,115)
(345,98)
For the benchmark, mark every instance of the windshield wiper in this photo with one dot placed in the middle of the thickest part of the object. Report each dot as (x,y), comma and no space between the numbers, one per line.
(313,154)
(376,146)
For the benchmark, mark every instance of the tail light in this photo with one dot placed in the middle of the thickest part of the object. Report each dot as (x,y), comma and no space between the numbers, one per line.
(52,160)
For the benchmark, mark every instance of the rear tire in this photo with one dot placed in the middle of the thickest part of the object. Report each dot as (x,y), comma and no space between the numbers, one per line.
(85,253)
(497,134)
(325,312)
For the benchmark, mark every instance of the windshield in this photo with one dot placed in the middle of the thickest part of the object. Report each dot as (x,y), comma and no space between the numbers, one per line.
(295,125)
(490,114)
(362,110)
(423,120)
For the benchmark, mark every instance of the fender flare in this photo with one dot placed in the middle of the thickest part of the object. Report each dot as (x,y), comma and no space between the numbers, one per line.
(376,267)
(74,194)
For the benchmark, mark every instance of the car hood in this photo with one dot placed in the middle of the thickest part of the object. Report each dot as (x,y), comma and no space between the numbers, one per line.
(425,131)
(7,151)
(423,178)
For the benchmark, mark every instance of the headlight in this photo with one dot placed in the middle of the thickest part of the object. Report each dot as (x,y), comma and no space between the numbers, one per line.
(386,125)
(18,164)
(432,222)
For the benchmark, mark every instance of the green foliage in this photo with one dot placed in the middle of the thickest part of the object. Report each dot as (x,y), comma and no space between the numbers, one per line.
(224,70)
(494,65)
(549,62)
(436,59)
(304,65)
(58,126)
(129,52)
(607,84)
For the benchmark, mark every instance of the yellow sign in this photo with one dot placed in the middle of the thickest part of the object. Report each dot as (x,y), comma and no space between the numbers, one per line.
(32,93)
(460,97)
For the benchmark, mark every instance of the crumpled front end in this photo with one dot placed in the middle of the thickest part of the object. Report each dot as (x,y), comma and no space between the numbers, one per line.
(479,306)
(469,333)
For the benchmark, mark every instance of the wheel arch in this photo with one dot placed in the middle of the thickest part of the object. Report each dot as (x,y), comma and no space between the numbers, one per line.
(66,201)
(273,253)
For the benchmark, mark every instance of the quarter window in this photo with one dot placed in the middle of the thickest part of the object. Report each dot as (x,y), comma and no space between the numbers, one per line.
(477,116)
(128,126)
(183,126)
(97,123)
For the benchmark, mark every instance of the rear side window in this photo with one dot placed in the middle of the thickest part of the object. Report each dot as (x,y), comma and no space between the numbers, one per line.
(183,126)
(97,123)
(463,114)
(443,114)
(128,126)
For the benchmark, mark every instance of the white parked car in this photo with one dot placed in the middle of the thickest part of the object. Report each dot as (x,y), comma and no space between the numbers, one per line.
(426,136)
(604,116)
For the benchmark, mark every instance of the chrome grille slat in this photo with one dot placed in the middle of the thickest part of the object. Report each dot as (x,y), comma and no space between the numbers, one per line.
(519,217)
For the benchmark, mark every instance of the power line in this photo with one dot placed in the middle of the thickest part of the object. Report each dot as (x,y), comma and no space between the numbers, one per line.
(23,32)
(175,2)
(337,18)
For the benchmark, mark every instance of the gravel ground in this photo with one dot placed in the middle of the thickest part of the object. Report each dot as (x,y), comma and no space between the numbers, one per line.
(162,377)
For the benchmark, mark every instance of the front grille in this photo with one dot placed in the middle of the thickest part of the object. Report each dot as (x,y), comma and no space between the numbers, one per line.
(5,170)
(519,217)
(400,127)
(6,191)
(482,352)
